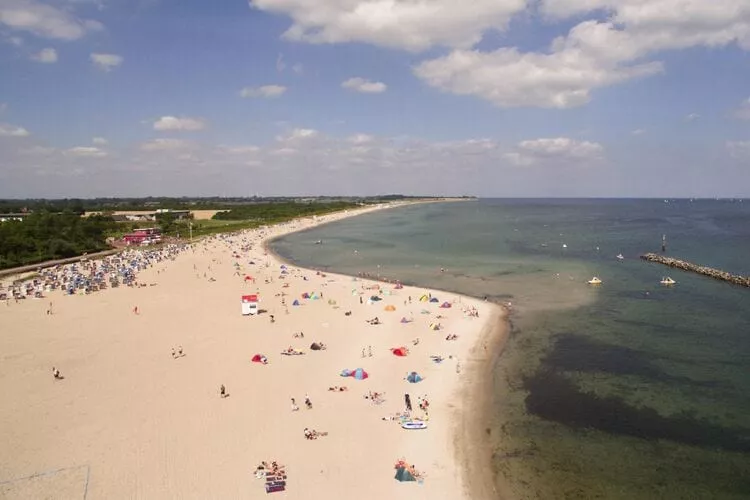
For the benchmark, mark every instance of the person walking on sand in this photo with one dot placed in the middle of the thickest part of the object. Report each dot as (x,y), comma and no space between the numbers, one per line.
(294,405)
(407,402)
(56,373)
(308,403)
(179,351)
(135,310)
(174,354)
(222,391)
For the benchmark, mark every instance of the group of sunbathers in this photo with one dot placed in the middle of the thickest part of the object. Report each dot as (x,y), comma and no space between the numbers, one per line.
(374,321)
(336,388)
(313,434)
(451,336)
(292,351)
(375,397)
(273,469)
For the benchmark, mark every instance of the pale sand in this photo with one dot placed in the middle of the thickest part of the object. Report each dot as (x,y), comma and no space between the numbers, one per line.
(128,421)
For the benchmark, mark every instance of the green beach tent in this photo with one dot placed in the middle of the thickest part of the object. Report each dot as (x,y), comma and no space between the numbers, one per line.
(404,475)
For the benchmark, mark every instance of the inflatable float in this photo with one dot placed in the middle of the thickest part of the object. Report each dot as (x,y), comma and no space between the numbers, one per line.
(414,424)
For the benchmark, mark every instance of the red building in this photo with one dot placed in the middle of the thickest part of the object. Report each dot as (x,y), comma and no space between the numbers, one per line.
(143,236)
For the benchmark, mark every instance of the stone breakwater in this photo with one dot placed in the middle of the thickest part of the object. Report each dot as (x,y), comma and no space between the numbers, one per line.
(706,271)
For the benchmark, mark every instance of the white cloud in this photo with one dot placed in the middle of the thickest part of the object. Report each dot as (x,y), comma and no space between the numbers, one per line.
(267,91)
(239,150)
(179,124)
(743,111)
(739,149)
(106,62)
(593,54)
(508,78)
(360,138)
(7,130)
(15,40)
(402,24)
(298,68)
(280,64)
(45,56)
(297,135)
(692,117)
(365,86)
(638,131)
(100,141)
(44,20)
(559,150)
(163,144)
(86,151)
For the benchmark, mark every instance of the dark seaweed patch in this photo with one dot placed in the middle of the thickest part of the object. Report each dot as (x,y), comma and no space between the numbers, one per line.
(576,353)
(555,398)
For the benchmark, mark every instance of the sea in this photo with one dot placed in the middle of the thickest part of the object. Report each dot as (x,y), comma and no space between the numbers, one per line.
(628,389)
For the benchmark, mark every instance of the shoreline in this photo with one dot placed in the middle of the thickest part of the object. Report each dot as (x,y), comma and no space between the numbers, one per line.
(471,435)
(188,429)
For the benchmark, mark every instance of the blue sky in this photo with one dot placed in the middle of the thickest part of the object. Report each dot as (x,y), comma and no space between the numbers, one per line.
(362,97)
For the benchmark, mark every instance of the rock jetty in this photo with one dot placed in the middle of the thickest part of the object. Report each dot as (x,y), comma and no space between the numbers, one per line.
(706,271)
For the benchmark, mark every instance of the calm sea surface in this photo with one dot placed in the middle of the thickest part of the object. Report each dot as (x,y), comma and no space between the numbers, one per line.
(626,390)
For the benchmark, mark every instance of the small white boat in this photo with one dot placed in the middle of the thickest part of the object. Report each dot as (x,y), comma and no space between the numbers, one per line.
(620,256)
(594,281)
(414,424)
(667,281)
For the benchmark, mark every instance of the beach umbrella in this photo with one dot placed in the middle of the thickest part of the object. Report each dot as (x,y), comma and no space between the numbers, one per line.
(400,351)
(390,307)
(360,374)
(259,358)
(346,372)
(434,299)
(414,377)
(295,303)
(404,320)
(446,305)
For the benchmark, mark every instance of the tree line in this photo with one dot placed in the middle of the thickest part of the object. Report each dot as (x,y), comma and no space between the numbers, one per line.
(269,213)
(45,236)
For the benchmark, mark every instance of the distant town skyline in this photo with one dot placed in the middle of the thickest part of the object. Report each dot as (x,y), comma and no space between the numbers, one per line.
(493,98)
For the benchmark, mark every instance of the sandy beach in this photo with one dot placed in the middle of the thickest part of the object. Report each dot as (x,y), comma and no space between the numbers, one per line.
(130,420)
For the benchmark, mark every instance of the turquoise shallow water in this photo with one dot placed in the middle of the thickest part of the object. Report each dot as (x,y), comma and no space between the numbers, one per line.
(627,390)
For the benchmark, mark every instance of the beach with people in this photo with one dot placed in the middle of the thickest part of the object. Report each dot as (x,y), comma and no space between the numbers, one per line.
(161,388)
